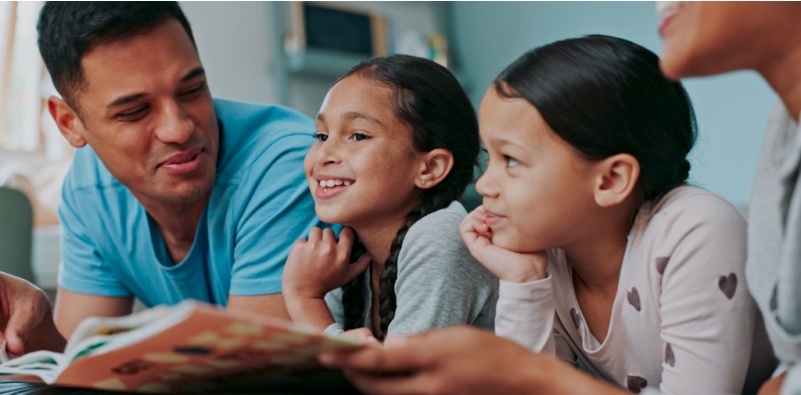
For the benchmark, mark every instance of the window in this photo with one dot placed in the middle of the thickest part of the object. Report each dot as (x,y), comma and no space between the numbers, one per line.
(23,78)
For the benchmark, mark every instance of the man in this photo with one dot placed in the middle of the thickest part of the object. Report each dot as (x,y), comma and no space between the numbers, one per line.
(700,38)
(172,195)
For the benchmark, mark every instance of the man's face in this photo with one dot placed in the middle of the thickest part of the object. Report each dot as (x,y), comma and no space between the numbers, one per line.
(148,114)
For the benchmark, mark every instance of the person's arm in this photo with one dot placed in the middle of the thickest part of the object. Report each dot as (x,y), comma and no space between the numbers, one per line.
(272,209)
(315,267)
(526,314)
(526,308)
(26,319)
(706,313)
(72,308)
(460,360)
(88,285)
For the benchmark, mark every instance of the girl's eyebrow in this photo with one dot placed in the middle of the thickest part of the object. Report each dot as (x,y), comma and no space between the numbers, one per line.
(351,115)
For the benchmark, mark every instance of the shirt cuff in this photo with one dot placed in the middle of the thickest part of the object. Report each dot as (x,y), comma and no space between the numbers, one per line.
(530,291)
(333,330)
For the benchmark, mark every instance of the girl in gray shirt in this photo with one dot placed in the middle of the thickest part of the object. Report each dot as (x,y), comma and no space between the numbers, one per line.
(397,145)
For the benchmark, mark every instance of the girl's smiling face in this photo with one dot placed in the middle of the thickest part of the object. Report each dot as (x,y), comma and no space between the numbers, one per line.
(537,188)
(362,169)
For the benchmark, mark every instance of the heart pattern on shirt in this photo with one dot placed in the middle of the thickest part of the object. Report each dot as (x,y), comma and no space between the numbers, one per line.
(728,285)
(634,298)
(670,358)
(635,384)
(661,264)
(576,317)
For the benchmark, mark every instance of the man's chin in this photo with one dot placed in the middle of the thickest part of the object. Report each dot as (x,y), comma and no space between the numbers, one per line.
(186,192)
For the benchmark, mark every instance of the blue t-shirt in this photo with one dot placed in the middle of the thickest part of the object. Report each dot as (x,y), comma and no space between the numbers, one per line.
(259,205)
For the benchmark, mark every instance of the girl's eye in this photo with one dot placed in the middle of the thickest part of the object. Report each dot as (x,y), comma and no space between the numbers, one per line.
(321,136)
(510,162)
(359,136)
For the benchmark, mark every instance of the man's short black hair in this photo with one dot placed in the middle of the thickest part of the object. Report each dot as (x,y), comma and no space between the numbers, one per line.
(70,29)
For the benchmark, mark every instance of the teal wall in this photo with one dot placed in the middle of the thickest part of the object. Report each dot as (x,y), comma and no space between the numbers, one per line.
(731,109)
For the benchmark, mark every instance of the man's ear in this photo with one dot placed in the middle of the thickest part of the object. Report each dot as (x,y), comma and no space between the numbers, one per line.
(67,121)
(436,165)
(616,179)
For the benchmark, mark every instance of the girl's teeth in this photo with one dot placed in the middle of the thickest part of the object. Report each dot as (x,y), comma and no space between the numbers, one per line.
(332,183)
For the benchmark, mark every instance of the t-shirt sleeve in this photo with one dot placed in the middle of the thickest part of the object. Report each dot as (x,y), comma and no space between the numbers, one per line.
(706,312)
(439,283)
(83,268)
(276,209)
(526,313)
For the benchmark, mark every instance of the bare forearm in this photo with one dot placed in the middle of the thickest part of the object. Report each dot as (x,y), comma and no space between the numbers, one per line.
(309,311)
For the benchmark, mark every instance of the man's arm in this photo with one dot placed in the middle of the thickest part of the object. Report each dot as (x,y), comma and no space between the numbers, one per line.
(276,209)
(72,308)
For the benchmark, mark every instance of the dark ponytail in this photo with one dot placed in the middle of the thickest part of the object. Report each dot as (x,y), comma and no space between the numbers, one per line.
(432,104)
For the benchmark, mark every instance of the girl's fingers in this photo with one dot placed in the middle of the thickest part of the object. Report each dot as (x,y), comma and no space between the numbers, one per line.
(315,234)
(346,237)
(355,268)
(329,236)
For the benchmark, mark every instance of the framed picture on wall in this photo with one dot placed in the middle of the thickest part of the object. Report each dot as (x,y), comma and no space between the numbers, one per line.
(332,28)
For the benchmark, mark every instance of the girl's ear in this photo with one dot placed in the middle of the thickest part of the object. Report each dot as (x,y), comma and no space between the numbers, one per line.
(67,121)
(435,166)
(616,179)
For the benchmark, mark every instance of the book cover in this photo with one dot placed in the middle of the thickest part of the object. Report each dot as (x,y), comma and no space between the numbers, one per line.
(190,347)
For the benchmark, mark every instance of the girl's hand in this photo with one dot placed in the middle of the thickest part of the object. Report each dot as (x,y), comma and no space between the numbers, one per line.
(321,264)
(507,265)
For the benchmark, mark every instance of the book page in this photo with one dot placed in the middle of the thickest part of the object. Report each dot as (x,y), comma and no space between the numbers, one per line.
(43,364)
(207,349)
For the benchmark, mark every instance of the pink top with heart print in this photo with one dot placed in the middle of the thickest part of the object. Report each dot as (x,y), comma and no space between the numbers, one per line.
(682,321)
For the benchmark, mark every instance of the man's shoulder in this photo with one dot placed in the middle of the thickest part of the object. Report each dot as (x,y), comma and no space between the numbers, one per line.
(254,133)
(87,171)
(253,120)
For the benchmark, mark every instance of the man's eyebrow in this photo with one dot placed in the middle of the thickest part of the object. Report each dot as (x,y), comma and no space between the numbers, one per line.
(125,99)
(136,96)
(193,74)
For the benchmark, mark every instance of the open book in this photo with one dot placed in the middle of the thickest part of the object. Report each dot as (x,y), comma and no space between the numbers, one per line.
(189,347)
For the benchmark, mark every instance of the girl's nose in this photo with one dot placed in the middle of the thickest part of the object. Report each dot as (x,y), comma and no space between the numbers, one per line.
(486,186)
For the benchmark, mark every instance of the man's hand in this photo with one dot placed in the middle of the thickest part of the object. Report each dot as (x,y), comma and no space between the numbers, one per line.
(460,360)
(26,319)
(450,361)
(507,265)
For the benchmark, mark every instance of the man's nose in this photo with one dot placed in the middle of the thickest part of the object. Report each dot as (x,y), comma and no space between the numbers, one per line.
(175,126)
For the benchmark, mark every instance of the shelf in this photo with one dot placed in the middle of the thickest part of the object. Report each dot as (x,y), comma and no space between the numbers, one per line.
(323,63)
